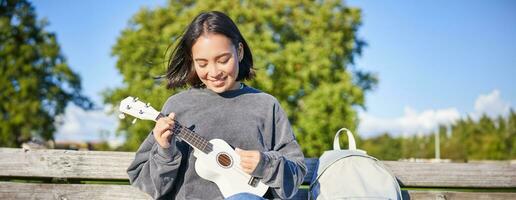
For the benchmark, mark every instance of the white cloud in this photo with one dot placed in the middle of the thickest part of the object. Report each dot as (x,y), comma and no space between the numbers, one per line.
(491,104)
(414,122)
(411,122)
(80,125)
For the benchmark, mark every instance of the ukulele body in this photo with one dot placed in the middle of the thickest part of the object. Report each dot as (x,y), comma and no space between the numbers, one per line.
(222,166)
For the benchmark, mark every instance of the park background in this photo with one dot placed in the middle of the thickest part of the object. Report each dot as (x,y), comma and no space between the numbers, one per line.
(397,73)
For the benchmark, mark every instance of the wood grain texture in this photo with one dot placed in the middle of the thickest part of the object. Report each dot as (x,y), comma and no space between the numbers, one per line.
(444,195)
(436,195)
(470,175)
(10,190)
(113,165)
(64,163)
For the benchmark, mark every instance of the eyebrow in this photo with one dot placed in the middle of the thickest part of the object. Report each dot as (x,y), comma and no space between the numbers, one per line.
(216,57)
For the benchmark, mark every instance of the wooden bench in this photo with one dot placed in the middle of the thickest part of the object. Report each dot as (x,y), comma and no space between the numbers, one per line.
(68,174)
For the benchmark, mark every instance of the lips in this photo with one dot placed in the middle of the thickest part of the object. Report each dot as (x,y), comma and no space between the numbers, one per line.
(219,82)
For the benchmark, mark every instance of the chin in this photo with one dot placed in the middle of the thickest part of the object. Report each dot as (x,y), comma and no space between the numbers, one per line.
(222,88)
(218,89)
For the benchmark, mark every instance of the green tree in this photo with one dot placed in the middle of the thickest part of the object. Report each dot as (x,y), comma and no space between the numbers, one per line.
(485,139)
(35,80)
(384,147)
(499,148)
(511,135)
(456,147)
(303,53)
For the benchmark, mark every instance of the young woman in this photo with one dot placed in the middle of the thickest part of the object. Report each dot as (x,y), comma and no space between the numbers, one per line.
(213,58)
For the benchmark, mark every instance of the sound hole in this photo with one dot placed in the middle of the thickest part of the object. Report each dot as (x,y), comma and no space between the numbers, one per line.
(224,160)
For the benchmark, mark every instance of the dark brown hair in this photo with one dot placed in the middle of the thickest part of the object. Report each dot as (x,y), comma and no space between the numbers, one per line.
(180,66)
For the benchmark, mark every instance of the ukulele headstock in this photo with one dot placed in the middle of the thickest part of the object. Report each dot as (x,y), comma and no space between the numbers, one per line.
(136,108)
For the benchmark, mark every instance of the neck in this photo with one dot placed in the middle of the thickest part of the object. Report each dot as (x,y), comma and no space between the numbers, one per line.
(237,85)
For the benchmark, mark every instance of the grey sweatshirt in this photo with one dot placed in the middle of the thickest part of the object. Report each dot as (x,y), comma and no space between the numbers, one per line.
(245,118)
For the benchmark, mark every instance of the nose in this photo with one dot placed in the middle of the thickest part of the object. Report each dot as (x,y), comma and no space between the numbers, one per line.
(214,72)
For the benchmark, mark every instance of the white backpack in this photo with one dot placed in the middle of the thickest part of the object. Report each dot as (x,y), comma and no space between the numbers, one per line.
(352,174)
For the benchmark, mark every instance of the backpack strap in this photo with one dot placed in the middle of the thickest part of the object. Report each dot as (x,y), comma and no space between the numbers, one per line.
(351,140)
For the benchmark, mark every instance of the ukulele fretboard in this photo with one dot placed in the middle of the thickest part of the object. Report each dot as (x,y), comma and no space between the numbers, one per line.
(189,136)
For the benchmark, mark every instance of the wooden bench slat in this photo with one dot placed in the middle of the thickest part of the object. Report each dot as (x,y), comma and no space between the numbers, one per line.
(437,195)
(12,190)
(472,175)
(112,165)
(443,195)
(64,164)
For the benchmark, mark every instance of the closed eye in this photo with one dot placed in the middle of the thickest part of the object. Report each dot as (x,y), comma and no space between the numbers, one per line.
(224,60)
(202,64)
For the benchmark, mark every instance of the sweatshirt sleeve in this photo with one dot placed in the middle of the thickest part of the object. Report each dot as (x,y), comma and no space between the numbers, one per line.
(282,168)
(154,169)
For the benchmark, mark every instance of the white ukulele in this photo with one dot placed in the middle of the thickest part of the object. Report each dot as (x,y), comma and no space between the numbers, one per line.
(216,159)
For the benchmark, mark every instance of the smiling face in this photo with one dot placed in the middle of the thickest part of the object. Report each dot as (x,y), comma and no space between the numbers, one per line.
(216,62)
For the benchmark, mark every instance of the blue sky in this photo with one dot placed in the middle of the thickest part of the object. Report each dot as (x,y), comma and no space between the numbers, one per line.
(434,54)
(437,61)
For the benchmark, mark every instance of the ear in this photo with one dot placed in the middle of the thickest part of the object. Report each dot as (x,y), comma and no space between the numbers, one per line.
(240,51)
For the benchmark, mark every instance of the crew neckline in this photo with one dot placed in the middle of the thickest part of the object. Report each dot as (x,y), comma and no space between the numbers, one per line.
(227,94)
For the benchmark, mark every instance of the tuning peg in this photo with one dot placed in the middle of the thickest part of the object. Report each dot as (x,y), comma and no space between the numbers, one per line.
(135,99)
(134,121)
(121,116)
(148,105)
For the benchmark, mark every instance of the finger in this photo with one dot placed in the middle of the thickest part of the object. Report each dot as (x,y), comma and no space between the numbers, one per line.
(245,167)
(244,160)
(248,171)
(161,130)
(248,154)
(172,116)
(249,164)
(242,152)
(167,120)
(166,134)
(163,125)
(247,157)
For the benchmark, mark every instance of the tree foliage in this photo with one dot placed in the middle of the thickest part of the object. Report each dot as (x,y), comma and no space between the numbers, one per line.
(467,139)
(303,53)
(36,83)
